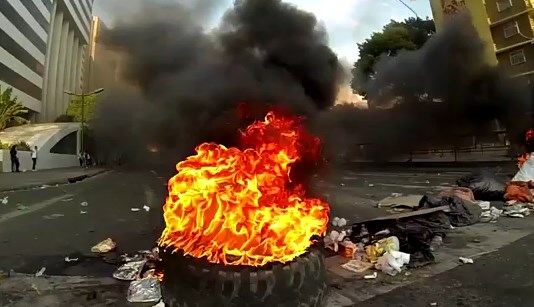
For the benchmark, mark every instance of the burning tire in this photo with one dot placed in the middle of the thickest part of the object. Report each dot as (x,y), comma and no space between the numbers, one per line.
(192,282)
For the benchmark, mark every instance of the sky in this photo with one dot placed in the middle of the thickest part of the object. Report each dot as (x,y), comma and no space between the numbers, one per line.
(348,21)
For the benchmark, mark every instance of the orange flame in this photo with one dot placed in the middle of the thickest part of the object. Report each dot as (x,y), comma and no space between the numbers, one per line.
(522,159)
(237,207)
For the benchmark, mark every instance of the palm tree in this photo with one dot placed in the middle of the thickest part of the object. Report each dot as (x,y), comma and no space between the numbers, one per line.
(11,111)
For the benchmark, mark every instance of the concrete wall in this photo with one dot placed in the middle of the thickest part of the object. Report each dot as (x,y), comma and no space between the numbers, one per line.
(69,34)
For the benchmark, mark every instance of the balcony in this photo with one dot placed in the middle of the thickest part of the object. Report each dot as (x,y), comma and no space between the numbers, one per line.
(498,16)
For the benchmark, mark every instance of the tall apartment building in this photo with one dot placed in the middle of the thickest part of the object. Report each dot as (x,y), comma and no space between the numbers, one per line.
(42,51)
(102,68)
(506,26)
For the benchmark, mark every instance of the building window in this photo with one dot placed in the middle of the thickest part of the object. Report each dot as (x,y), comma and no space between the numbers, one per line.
(511,29)
(517,57)
(503,5)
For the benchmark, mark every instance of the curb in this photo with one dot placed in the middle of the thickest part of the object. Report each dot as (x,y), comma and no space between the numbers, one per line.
(67,180)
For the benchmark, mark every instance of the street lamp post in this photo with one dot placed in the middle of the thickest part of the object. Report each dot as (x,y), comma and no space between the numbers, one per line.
(82,96)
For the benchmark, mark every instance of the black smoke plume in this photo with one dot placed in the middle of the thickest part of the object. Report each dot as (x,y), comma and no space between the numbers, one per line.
(439,96)
(184,83)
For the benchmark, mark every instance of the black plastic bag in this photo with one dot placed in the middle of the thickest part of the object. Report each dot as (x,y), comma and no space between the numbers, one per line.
(415,234)
(462,213)
(485,185)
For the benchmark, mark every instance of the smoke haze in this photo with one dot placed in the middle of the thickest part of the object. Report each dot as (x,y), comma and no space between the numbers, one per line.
(427,98)
(183,84)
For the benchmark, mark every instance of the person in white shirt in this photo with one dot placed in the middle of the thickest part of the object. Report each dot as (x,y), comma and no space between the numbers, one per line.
(34,157)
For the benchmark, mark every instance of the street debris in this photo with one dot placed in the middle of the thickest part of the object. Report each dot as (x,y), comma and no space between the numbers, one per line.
(84,204)
(485,185)
(339,222)
(160,304)
(83,212)
(466,260)
(53,216)
(68,259)
(21,207)
(129,271)
(40,272)
(146,208)
(433,304)
(146,290)
(516,210)
(371,276)
(135,209)
(392,262)
(5,200)
(371,185)
(357,266)
(104,247)
(408,202)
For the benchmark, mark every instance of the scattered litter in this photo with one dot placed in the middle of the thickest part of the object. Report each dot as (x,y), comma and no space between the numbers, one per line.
(342,184)
(34,287)
(392,262)
(408,201)
(371,185)
(427,182)
(53,216)
(466,260)
(5,200)
(436,243)
(84,204)
(129,271)
(105,246)
(484,184)
(147,208)
(68,259)
(83,212)
(357,266)
(146,290)
(517,210)
(338,222)
(135,209)
(396,194)
(40,272)
(491,215)
(375,251)
(21,207)
(433,304)
(371,276)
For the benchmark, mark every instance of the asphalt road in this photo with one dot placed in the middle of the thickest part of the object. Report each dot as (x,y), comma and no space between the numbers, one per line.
(40,227)
(503,278)
(51,224)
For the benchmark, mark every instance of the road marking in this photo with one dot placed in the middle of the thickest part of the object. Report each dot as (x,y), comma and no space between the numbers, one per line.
(33,208)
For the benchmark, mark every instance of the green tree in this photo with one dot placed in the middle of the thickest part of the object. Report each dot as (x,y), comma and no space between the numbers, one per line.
(410,34)
(11,111)
(74,111)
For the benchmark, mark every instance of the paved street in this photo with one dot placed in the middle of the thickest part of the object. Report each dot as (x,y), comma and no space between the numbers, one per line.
(40,227)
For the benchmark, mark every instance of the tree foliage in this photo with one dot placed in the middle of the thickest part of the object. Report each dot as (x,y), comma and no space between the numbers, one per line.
(11,111)
(74,111)
(410,34)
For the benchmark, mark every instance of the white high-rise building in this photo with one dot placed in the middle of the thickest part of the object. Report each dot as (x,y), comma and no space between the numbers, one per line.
(42,52)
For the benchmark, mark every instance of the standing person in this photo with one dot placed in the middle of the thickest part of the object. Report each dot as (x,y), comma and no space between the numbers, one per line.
(88,161)
(81,158)
(34,158)
(15,164)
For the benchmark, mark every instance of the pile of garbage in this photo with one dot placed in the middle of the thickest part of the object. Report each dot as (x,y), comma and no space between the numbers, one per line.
(140,269)
(408,239)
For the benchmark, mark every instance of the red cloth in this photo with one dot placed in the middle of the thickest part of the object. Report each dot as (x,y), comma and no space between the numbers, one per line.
(520,191)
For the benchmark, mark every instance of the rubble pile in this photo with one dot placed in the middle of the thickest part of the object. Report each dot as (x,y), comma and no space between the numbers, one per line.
(408,238)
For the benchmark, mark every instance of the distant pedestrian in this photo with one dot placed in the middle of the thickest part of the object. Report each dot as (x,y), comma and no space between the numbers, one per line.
(88,160)
(81,158)
(34,158)
(15,164)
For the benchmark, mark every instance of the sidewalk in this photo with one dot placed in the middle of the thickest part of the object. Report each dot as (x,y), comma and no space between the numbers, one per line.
(28,180)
